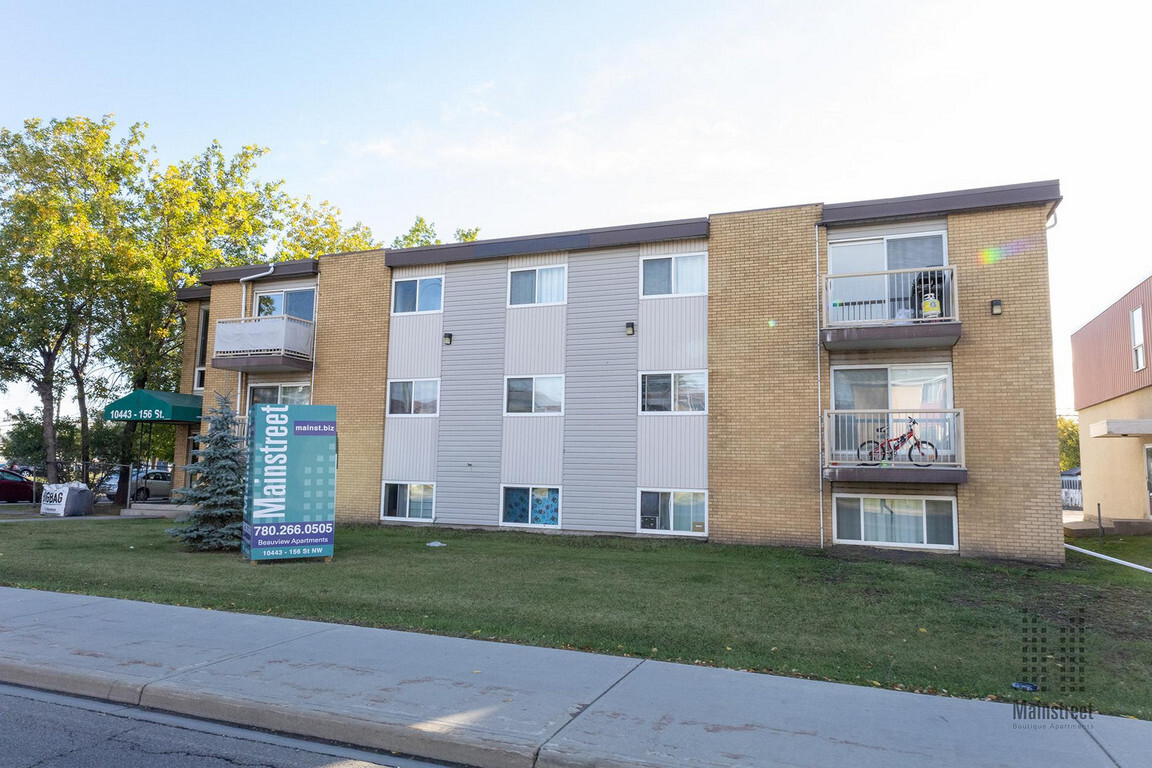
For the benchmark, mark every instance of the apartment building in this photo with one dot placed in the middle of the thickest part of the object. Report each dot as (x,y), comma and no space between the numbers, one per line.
(1113,391)
(806,375)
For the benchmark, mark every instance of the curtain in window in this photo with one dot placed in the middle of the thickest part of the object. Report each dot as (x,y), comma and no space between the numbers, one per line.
(400,397)
(848,519)
(420,501)
(265,395)
(550,285)
(688,512)
(939,522)
(295,395)
(545,506)
(431,294)
(691,274)
(914,252)
(425,397)
(894,521)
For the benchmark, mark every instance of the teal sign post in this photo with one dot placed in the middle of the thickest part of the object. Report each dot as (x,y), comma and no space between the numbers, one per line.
(290,499)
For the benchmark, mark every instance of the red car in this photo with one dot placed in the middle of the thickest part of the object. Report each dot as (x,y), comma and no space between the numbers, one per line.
(13,487)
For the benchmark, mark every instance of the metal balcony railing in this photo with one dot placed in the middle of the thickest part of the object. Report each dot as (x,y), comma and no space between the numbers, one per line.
(894,297)
(272,335)
(854,438)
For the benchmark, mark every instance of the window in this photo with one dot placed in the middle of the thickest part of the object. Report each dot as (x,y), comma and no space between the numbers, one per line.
(534,394)
(895,521)
(541,285)
(280,394)
(425,294)
(201,349)
(300,303)
(674,392)
(893,387)
(674,275)
(420,397)
(1137,319)
(531,506)
(875,296)
(414,501)
(673,512)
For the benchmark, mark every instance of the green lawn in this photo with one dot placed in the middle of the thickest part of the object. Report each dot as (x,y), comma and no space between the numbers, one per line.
(932,624)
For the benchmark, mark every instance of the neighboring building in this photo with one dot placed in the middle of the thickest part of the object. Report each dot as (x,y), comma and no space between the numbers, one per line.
(708,378)
(1114,397)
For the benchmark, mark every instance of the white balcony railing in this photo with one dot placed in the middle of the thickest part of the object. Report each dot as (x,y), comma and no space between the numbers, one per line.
(273,335)
(855,438)
(895,297)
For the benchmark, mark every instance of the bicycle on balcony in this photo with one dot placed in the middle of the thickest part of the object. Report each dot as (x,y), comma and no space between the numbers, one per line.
(873,452)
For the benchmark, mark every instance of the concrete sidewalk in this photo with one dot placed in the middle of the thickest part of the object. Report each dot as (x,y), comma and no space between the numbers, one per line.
(493,704)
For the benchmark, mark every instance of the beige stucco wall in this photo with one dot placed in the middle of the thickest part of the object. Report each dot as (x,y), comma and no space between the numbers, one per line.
(1113,467)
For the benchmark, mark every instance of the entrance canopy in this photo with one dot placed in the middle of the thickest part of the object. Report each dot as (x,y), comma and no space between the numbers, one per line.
(156,407)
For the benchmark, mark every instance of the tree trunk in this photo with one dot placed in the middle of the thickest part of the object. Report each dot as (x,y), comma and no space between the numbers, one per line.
(47,413)
(139,382)
(82,403)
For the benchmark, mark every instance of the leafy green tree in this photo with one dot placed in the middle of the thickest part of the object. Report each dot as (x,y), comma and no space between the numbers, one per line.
(65,200)
(310,230)
(423,232)
(23,441)
(1068,429)
(217,492)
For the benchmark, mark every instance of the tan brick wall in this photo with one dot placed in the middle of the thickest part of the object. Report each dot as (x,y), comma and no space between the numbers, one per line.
(1114,473)
(353,305)
(1003,378)
(764,414)
(187,378)
(225,303)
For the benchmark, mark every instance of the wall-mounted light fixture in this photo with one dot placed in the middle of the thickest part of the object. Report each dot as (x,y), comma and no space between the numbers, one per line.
(629,329)
(997,309)
(447,339)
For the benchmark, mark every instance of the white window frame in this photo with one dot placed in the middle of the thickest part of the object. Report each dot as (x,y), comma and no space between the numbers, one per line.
(284,302)
(534,413)
(889,367)
(392,298)
(640,393)
(279,391)
(1139,357)
(531,486)
(537,268)
(673,293)
(406,518)
(833,241)
(388,402)
(658,532)
(955,546)
(200,369)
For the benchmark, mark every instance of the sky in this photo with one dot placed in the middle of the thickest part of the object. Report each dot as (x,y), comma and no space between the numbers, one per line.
(524,117)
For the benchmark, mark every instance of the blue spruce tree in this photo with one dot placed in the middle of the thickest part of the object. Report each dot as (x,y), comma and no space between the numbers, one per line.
(217,492)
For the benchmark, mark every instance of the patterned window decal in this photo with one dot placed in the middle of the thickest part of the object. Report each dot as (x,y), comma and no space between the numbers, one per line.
(531,506)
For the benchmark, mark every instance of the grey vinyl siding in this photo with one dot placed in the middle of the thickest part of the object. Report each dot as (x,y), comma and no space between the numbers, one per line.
(410,449)
(534,340)
(533,451)
(414,346)
(600,393)
(472,394)
(672,333)
(672,451)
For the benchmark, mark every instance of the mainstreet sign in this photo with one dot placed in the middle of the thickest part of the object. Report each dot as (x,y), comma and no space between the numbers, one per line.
(290,498)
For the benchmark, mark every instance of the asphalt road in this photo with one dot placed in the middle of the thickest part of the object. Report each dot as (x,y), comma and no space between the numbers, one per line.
(46,730)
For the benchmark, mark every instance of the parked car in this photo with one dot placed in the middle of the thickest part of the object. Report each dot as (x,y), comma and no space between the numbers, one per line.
(16,488)
(144,484)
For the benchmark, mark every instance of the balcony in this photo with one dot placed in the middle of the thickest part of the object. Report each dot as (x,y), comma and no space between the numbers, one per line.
(869,447)
(895,309)
(270,344)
